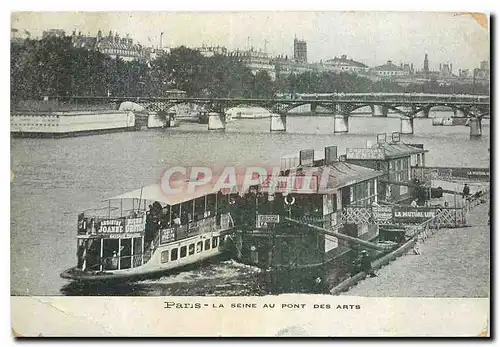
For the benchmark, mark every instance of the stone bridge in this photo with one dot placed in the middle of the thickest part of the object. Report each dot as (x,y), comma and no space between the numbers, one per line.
(339,106)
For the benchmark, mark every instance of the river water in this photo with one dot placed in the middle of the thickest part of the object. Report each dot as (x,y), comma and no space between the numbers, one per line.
(54,179)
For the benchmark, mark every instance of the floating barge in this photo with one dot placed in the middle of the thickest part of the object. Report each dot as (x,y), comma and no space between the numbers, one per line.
(294,229)
(72,123)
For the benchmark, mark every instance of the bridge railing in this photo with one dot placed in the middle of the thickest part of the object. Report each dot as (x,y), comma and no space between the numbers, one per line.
(451,217)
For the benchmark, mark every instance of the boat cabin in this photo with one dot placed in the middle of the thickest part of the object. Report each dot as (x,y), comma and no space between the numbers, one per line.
(395,159)
(126,233)
(315,192)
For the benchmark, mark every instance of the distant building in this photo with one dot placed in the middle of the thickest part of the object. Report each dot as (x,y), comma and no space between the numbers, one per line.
(426,64)
(300,50)
(408,68)
(445,70)
(482,74)
(256,61)
(53,33)
(285,66)
(157,52)
(111,45)
(389,71)
(210,51)
(343,64)
(464,74)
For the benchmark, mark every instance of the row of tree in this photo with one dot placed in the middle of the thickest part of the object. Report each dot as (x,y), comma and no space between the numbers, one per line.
(53,67)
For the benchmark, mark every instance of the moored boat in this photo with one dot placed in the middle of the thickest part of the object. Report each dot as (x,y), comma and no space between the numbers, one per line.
(119,243)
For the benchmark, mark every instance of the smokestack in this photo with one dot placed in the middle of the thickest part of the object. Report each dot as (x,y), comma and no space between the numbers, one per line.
(161,40)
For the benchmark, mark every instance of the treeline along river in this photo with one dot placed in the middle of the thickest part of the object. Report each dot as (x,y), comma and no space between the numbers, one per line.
(54,179)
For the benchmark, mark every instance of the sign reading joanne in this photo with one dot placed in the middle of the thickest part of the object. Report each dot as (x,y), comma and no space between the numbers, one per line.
(110,226)
(413,214)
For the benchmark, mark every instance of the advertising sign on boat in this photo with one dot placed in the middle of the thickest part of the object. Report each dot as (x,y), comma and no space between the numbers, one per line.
(290,184)
(110,226)
(365,153)
(413,214)
(263,220)
(134,225)
(382,213)
(167,235)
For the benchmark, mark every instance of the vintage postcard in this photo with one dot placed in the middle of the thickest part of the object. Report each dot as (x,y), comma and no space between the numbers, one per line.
(250,174)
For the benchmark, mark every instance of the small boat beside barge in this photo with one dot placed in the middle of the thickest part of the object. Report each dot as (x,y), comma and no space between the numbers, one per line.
(133,242)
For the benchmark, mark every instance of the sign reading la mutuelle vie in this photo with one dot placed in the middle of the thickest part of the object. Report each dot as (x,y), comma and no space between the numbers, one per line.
(365,153)
(412,214)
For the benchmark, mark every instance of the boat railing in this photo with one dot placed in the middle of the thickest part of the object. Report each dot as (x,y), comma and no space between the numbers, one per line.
(446,216)
(111,212)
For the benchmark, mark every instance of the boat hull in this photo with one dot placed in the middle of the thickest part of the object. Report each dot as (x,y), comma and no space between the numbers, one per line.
(77,275)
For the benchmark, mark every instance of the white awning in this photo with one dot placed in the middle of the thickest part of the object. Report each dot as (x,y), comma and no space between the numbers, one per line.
(155,192)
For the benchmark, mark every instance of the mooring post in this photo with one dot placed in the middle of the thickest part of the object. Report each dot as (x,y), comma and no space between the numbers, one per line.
(475,127)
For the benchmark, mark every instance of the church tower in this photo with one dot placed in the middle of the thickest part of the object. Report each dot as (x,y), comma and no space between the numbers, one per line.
(426,64)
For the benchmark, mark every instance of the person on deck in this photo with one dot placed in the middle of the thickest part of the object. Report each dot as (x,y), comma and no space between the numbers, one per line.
(176,220)
(366,264)
(466,191)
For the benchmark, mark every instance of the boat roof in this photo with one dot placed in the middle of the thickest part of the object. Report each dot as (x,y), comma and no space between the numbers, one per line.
(399,149)
(155,192)
(342,174)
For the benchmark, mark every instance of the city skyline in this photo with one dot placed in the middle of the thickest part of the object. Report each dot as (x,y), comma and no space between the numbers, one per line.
(369,37)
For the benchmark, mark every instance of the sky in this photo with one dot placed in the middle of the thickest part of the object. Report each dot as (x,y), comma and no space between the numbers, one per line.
(369,37)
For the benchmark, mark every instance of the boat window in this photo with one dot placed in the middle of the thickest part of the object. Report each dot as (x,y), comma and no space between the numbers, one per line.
(186,212)
(137,245)
(183,251)
(174,254)
(176,212)
(110,254)
(207,245)
(191,249)
(199,208)
(126,254)
(164,256)
(215,241)
(210,210)
(199,247)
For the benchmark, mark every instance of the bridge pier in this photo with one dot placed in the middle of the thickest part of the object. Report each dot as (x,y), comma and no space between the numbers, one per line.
(475,127)
(216,121)
(341,123)
(314,106)
(277,122)
(379,111)
(423,113)
(406,126)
